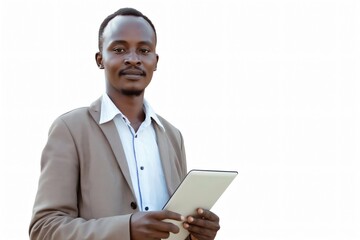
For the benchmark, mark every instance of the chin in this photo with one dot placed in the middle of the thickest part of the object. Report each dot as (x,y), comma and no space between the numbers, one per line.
(132,92)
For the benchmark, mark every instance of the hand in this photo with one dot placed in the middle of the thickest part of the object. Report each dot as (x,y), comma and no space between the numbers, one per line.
(150,225)
(203,226)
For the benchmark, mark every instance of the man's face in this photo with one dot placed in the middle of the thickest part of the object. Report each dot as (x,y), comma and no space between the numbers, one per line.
(128,55)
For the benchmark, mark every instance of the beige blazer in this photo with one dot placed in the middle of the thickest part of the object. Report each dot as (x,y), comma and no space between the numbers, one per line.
(85,190)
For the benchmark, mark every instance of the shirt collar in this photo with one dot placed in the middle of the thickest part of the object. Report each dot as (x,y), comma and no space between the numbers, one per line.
(109,111)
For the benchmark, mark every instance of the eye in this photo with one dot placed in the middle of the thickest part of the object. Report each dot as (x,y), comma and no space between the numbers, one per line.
(119,50)
(144,51)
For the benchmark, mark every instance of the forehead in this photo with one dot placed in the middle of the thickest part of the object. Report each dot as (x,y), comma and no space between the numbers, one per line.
(128,29)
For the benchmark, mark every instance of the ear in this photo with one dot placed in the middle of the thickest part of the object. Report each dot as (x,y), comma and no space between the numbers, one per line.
(157,60)
(98,59)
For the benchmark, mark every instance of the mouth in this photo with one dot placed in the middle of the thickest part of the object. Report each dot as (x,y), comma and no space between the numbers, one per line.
(132,72)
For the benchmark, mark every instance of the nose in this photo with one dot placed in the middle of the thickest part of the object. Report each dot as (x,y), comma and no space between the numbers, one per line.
(132,59)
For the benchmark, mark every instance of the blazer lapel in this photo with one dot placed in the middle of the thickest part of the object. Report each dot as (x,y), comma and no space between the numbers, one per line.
(166,155)
(110,132)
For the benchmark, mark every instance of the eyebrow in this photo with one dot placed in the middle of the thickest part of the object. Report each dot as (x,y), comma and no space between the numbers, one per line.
(125,42)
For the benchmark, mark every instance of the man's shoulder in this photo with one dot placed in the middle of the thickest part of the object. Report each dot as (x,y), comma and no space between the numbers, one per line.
(74,118)
(167,125)
(171,131)
(75,113)
(81,113)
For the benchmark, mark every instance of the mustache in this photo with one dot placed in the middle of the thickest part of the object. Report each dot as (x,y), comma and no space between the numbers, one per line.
(132,70)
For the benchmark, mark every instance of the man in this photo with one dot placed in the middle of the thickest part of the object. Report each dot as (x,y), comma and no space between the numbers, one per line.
(107,170)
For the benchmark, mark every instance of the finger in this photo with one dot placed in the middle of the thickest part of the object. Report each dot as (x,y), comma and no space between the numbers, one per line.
(164,221)
(204,230)
(201,233)
(168,226)
(193,237)
(157,235)
(203,223)
(165,214)
(169,220)
(207,214)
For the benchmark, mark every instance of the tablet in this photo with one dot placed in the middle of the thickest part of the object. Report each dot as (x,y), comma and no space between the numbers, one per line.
(199,188)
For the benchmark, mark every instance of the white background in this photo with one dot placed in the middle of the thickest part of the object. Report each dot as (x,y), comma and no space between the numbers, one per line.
(268,88)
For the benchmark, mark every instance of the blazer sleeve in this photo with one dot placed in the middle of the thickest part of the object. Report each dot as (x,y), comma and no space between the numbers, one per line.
(55,212)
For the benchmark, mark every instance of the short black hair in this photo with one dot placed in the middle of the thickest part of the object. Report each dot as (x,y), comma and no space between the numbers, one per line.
(121,12)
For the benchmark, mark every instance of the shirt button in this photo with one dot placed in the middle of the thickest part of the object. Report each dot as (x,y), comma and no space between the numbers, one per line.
(146,208)
(142,168)
(133,205)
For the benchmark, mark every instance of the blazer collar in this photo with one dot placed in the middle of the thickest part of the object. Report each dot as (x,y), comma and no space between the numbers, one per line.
(167,155)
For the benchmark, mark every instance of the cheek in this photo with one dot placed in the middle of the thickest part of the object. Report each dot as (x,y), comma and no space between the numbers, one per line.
(150,64)
(113,63)
(112,69)
(111,60)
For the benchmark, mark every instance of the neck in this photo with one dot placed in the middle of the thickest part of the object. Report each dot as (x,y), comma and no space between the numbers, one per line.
(131,107)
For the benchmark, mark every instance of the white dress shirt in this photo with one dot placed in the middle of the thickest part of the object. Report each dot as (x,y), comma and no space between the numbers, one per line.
(142,154)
